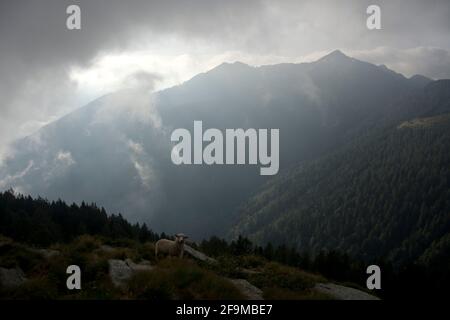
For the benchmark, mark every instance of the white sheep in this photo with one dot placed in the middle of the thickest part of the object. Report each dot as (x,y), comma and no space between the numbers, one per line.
(170,247)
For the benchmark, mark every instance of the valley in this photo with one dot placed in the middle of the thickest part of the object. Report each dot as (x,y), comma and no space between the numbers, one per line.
(354,173)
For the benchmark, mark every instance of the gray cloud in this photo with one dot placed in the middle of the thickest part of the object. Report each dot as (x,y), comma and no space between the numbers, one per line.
(37,51)
(141,80)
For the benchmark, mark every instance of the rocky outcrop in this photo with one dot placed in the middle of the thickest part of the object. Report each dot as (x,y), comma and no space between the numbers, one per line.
(249,291)
(144,265)
(121,271)
(198,255)
(343,293)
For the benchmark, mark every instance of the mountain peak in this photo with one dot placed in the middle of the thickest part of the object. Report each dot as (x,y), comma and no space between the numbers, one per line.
(335,55)
(226,67)
(236,64)
(419,81)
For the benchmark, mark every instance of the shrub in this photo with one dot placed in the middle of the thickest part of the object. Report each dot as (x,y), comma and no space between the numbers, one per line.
(121,254)
(277,275)
(252,261)
(146,251)
(84,243)
(181,279)
(13,255)
(121,242)
(150,285)
(35,289)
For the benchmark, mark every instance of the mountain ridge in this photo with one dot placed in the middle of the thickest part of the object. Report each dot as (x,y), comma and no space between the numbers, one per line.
(120,158)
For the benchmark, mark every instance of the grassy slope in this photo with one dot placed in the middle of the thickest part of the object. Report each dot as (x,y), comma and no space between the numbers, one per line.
(171,279)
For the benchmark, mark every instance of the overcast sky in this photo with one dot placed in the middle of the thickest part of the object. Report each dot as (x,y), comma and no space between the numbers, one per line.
(47,71)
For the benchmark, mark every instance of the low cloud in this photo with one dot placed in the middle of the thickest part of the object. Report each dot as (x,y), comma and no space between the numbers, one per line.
(61,163)
(12,181)
(140,161)
(141,80)
(131,104)
(64,158)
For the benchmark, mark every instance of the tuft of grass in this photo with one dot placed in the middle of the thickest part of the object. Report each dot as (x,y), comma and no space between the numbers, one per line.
(150,285)
(146,251)
(84,243)
(120,242)
(227,266)
(275,275)
(14,255)
(100,289)
(35,289)
(121,254)
(181,279)
(252,261)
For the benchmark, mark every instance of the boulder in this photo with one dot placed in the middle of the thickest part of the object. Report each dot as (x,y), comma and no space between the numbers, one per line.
(11,278)
(343,293)
(142,266)
(247,289)
(198,255)
(121,271)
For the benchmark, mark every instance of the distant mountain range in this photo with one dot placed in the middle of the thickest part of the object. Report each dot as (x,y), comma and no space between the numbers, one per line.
(342,153)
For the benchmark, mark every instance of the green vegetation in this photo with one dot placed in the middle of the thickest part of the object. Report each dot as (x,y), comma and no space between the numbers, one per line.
(425,122)
(386,196)
(171,278)
(280,271)
(178,279)
(40,222)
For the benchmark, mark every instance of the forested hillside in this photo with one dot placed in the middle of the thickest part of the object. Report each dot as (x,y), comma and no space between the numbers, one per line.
(43,238)
(40,222)
(384,195)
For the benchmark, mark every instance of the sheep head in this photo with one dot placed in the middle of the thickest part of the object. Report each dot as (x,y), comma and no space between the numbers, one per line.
(180,237)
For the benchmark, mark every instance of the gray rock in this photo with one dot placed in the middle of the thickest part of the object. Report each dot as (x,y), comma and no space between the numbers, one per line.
(46,253)
(343,293)
(142,266)
(248,271)
(198,255)
(106,248)
(11,278)
(247,289)
(121,271)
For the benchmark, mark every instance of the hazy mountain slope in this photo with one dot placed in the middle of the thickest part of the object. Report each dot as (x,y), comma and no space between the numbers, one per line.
(385,194)
(116,150)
